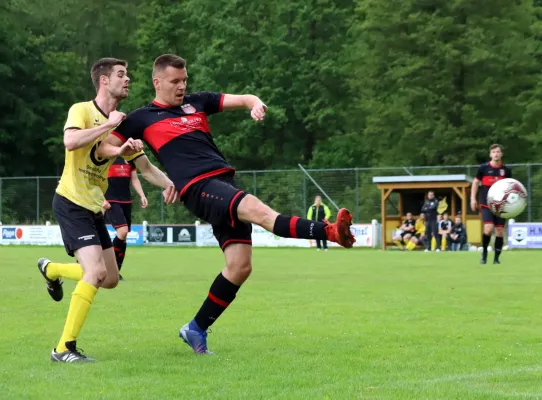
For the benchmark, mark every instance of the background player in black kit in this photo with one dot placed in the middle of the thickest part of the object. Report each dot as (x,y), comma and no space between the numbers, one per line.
(176,129)
(121,173)
(431,226)
(487,175)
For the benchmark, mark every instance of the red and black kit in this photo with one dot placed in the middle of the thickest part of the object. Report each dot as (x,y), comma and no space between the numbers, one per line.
(118,193)
(488,174)
(181,140)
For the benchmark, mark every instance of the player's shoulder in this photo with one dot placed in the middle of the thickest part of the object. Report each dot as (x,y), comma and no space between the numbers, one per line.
(82,106)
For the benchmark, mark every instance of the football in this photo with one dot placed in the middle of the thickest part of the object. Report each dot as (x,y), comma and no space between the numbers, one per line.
(507,198)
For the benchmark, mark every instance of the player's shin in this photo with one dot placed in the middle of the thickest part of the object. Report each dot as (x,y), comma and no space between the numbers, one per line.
(220,296)
(498,247)
(295,227)
(119,246)
(485,243)
(82,298)
(71,271)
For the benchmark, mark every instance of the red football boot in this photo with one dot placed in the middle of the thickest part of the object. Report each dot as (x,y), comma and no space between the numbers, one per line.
(339,231)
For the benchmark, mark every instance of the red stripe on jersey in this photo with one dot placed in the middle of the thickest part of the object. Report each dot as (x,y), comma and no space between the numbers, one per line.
(164,131)
(119,136)
(490,180)
(120,171)
(220,171)
(221,106)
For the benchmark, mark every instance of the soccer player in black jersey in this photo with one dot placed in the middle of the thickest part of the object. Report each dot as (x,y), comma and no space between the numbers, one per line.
(176,129)
(487,175)
(120,174)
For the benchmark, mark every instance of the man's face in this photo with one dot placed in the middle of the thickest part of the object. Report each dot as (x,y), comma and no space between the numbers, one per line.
(496,154)
(431,195)
(117,82)
(422,216)
(457,220)
(409,216)
(318,200)
(445,217)
(170,85)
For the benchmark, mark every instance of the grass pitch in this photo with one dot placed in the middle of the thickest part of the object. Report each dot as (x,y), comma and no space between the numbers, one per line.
(339,325)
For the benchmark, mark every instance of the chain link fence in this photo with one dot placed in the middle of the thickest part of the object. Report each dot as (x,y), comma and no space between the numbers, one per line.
(27,200)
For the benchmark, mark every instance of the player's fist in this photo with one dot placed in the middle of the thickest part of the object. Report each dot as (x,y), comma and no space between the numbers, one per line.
(473,205)
(131,147)
(170,194)
(144,202)
(258,111)
(116,117)
(106,205)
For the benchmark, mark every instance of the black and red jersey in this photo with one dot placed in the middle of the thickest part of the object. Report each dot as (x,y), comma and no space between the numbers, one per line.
(488,174)
(180,137)
(119,177)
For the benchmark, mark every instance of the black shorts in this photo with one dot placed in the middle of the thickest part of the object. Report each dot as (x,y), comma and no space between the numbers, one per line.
(403,234)
(489,218)
(120,214)
(79,227)
(215,200)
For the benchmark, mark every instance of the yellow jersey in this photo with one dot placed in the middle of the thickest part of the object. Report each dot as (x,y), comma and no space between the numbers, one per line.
(420,227)
(84,178)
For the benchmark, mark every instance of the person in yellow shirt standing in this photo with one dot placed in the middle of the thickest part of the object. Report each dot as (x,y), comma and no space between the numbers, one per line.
(419,236)
(321,213)
(79,198)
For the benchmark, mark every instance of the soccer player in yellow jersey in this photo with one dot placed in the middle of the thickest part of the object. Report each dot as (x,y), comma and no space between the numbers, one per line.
(79,197)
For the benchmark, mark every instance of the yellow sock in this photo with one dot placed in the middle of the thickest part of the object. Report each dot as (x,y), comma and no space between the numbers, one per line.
(82,298)
(410,246)
(72,271)
(399,244)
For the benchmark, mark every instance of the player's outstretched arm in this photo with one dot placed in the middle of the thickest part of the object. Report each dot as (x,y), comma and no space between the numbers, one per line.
(245,101)
(156,177)
(139,189)
(75,138)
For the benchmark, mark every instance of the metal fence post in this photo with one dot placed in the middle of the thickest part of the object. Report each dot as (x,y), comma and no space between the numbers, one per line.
(254,183)
(357,196)
(529,210)
(37,200)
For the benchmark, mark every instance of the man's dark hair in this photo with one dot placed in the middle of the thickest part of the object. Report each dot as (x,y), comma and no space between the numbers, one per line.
(104,66)
(168,60)
(496,145)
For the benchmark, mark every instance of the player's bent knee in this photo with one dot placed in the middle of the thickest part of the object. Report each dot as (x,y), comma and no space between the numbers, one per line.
(122,232)
(111,281)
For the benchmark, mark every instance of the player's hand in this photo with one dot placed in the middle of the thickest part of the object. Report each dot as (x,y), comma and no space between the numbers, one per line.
(106,205)
(130,147)
(144,202)
(474,205)
(258,111)
(115,118)
(170,194)
(326,221)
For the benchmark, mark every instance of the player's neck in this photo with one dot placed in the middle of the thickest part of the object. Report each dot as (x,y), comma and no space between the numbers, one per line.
(161,102)
(106,103)
(495,164)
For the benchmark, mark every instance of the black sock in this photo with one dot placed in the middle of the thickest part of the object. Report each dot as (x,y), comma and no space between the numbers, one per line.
(498,247)
(221,294)
(485,243)
(295,227)
(119,246)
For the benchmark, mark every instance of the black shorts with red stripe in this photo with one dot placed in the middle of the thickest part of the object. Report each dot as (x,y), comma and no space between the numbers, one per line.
(119,215)
(215,200)
(489,218)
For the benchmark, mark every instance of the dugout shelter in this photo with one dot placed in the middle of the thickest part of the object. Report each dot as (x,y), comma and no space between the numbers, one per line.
(402,194)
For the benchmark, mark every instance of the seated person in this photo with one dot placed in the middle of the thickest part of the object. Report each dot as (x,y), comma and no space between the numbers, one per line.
(458,235)
(419,234)
(444,230)
(406,231)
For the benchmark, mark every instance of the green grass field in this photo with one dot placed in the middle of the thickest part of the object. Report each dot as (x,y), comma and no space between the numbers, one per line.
(340,325)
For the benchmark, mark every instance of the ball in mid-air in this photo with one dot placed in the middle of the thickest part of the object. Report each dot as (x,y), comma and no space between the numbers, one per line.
(507,198)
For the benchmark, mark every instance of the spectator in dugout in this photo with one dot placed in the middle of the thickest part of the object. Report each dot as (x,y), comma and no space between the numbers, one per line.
(319,212)
(431,224)
(405,231)
(458,235)
(444,230)
(419,233)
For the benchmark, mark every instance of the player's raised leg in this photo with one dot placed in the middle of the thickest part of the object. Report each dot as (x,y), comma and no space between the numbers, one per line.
(489,226)
(91,259)
(253,210)
(53,273)
(221,294)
